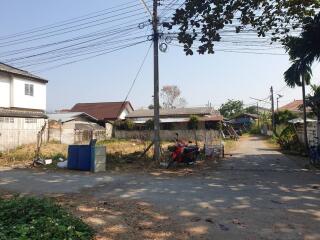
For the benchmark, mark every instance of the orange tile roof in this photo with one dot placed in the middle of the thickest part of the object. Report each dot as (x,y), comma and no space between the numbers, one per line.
(293,106)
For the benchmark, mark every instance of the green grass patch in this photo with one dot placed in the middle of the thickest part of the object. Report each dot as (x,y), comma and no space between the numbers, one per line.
(26,218)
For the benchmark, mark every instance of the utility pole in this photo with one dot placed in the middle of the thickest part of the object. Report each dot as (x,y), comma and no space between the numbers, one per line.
(156,81)
(259,100)
(258,114)
(304,114)
(279,96)
(272,109)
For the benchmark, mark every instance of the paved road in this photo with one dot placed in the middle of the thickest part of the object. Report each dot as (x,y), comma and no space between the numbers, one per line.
(258,193)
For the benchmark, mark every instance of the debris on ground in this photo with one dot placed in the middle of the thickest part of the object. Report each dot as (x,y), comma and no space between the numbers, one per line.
(195,219)
(223,227)
(63,164)
(276,202)
(209,220)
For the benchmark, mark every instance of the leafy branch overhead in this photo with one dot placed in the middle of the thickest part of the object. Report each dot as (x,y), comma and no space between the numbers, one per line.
(204,21)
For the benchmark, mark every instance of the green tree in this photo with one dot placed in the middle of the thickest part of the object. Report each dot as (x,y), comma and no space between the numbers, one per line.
(313,100)
(303,51)
(193,122)
(202,21)
(149,125)
(231,108)
(193,125)
(282,117)
(252,110)
(306,47)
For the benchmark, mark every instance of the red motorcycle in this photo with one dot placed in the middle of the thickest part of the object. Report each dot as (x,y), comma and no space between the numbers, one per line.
(183,153)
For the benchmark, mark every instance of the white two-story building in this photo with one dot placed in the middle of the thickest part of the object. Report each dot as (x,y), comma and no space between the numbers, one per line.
(22,107)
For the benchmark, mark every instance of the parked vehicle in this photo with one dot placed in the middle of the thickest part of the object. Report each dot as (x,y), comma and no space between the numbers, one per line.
(182,153)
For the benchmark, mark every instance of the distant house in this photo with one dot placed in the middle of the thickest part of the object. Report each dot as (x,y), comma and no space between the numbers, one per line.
(105,112)
(243,120)
(178,118)
(294,106)
(22,106)
(74,127)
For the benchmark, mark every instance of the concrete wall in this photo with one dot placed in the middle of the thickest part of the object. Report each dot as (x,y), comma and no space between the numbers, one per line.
(15,132)
(169,135)
(12,93)
(109,130)
(5,91)
(20,100)
(312,132)
(66,132)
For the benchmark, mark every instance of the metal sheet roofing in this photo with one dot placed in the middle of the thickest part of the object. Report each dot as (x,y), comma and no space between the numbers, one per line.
(102,110)
(69,116)
(6,112)
(202,111)
(16,71)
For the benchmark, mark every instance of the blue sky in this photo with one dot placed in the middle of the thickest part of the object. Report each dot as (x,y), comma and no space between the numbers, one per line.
(214,78)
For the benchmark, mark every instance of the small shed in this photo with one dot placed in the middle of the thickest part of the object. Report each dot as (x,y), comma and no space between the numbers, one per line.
(243,120)
(74,128)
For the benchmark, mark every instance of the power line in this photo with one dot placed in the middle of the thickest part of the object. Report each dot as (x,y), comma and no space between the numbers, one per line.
(90,57)
(69,55)
(126,31)
(105,32)
(11,43)
(234,51)
(135,78)
(70,21)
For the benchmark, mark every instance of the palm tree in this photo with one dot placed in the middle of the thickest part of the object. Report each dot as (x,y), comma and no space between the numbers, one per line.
(307,45)
(303,51)
(299,74)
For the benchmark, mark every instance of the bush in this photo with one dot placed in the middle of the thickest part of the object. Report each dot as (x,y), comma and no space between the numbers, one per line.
(193,122)
(149,125)
(124,124)
(39,219)
(287,138)
(282,117)
(255,129)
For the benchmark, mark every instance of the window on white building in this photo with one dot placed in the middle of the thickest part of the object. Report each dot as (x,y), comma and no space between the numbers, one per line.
(31,120)
(28,89)
(6,120)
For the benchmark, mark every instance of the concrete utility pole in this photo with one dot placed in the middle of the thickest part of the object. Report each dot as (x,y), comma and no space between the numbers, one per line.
(279,96)
(272,108)
(258,114)
(259,100)
(156,81)
(305,133)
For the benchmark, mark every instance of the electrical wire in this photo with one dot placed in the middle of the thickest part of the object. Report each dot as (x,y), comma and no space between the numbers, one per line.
(69,21)
(135,79)
(90,57)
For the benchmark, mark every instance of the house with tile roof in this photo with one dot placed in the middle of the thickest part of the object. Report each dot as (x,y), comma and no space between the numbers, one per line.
(22,106)
(294,106)
(177,118)
(105,112)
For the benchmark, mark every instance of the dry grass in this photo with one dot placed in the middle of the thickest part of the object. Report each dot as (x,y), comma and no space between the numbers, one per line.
(122,155)
(24,155)
(125,155)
